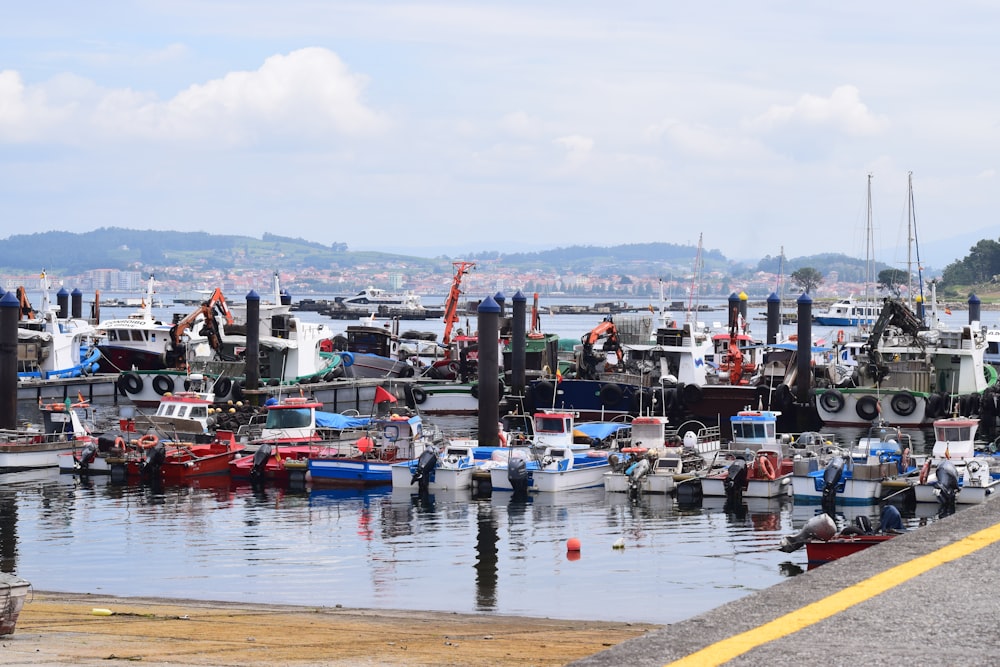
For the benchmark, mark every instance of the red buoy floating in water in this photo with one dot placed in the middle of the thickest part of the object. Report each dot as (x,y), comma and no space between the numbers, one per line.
(573,544)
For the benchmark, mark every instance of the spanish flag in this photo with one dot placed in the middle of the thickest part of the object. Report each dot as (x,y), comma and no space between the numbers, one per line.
(558,376)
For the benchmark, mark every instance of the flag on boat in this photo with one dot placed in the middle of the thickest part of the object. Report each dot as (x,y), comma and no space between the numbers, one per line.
(381,396)
(558,376)
(947,311)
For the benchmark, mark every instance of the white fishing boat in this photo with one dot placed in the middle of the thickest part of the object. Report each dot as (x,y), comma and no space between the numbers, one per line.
(954,473)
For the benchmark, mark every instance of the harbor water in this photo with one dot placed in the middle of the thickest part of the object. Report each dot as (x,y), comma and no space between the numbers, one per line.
(390,549)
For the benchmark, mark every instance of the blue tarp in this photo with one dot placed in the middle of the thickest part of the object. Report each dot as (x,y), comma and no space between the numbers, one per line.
(795,346)
(598,430)
(337,420)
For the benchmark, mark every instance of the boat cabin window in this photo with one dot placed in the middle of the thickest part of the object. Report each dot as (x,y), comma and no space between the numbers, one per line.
(550,425)
(137,335)
(953,433)
(169,409)
(390,432)
(199,411)
(753,430)
(289,418)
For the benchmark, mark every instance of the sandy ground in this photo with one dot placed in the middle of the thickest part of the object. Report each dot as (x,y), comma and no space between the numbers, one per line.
(63,629)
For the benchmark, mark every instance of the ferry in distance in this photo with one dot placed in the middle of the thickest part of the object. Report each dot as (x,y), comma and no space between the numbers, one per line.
(371,299)
(848,313)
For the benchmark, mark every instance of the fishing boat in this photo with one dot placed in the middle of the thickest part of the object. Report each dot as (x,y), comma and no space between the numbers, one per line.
(856,477)
(185,460)
(368,460)
(13,592)
(824,543)
(65,430)
(907,373)
(955,472)
(644,471)
(139,341)
(294,429)
(449,470)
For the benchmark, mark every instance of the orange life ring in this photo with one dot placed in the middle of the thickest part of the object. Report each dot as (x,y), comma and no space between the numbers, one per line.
(840,337)
(148,440)
(120,443)
(503,438)
(925,471)
(767,467)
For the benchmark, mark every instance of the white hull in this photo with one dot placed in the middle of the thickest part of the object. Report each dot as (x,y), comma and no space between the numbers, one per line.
(445,399)
(756,488)
(617,482)
(856,491)
(849,415)
(549,481)
(33,455)
(442,479)
(967,495)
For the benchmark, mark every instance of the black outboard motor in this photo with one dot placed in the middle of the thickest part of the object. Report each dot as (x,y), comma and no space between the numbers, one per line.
(425,466)
(87,456)
(831,478)
(947,483)
(862,526)
(155,457)
(735,482)
(517,475)
(890,521)
(260,458)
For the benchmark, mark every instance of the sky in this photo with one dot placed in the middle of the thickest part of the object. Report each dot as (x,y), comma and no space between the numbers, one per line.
(461,127)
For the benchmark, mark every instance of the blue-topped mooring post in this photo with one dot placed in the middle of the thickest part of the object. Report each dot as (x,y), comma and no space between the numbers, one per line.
(10,309)
(501,299)
(76,303)
(489,371)
(252,372)
(803,365)
(518,342)
(286,298)
(62,301)
(773,318)
(974,308)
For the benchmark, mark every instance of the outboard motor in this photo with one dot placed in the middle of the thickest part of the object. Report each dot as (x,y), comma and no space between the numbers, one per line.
(87,456)
(890,521)
(635,473)
(155,457)
(260,458)
(517,475)
(820,527)
(947,483)
(735,482)
(832,475)
(425,466)
(862,526)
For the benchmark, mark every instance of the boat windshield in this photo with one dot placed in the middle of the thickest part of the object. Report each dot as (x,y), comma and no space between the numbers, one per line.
(288,418)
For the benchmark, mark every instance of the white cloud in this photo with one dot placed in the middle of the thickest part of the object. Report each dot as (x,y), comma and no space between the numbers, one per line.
(309,94)
(843,111)
(577,147)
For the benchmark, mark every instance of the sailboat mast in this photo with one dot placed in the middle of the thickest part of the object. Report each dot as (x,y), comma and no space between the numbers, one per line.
(695,282)
(913,239)
(866,320)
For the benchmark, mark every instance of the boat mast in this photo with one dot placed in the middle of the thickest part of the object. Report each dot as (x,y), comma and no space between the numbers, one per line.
(695,282)
(913,244)
(865,320)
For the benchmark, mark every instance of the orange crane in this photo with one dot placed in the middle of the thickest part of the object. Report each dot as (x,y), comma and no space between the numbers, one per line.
(451,304)
(211,309)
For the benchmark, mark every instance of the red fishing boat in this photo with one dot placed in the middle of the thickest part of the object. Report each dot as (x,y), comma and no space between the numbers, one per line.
(819,552)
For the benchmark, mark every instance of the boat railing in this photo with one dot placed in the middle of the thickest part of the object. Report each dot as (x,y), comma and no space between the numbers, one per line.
(642,380)
(217,368)
(22,437)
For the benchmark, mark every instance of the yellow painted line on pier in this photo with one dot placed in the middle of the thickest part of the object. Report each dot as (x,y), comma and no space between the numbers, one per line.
(727,649)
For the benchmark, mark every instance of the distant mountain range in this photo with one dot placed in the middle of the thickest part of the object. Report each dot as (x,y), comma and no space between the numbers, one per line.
(72,253)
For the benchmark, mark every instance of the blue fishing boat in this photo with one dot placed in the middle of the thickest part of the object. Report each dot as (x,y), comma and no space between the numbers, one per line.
(368,460)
